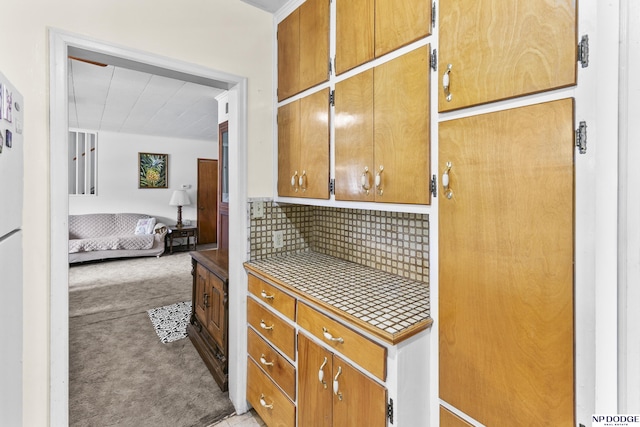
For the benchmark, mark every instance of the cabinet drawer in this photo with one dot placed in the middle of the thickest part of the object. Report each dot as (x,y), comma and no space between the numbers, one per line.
(188,233)
(270,403)
(366,353)
(284,303)
(268,358)
(273,328)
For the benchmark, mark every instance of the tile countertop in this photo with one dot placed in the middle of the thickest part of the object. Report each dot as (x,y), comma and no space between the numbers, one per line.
(388,306)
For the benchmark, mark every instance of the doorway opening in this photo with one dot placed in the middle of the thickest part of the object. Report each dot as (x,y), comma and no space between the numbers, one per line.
(61,46)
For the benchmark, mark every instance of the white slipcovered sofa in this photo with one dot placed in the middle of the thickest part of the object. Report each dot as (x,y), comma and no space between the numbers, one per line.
(114,235)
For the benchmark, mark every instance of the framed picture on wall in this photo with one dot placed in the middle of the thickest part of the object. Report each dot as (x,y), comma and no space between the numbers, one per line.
(153,170)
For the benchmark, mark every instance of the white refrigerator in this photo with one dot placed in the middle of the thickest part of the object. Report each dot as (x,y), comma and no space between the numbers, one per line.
(11,281)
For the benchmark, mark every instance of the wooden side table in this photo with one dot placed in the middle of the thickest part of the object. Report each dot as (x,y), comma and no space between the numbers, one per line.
(184,232)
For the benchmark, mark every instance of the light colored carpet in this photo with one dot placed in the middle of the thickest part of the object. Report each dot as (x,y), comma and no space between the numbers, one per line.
(120,374)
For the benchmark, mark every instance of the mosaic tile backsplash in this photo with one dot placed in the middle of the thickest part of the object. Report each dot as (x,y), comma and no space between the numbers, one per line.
(393,242)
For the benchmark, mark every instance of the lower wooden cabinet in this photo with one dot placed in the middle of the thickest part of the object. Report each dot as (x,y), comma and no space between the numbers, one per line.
(334,393)
(208,325)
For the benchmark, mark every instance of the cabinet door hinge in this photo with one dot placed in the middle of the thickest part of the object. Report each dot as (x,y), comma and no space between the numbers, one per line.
(332,186)
(330,67)
(332,98)
(583,51)
(581,137)
(390,411)
(434,185)
(434,60)
(433,14)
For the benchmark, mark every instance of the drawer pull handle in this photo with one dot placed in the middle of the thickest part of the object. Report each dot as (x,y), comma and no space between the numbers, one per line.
(264,326)
(206,300)
(265,295)
(263,402)
(263,360)
(336,385)
(321,373)
(364,180)
(379,180)
(330,337)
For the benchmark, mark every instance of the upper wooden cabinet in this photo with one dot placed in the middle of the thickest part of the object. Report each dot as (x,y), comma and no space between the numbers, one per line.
(367,29)
(382,132)
(303,48)
(498,49)
(303,147)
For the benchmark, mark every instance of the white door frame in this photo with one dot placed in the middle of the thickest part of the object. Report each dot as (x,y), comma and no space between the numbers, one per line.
(59,42)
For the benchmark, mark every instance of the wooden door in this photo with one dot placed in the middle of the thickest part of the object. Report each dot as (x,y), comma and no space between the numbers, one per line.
(402,128)
(289,55)
(223,186)
(314,397)
(288,148)
(314,146)
(360,401)
(201,282)
(354,137)
(354,33)
(398,23)
(506,266)
(501,49)
(216,311)
(314,43)
(207,201)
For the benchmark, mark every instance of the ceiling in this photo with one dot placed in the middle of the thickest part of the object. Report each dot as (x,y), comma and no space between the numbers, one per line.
(117,95)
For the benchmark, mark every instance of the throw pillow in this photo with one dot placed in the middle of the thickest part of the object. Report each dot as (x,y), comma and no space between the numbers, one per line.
(145,226)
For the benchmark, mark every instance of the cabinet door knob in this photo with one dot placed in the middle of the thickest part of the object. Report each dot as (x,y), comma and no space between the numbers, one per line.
(379,180)
(206,299)
(446,83)
(263,360)
(336,385)
(264,295)
(264,326)
(263,402)
(321,373)
(330,337)
(364,180)
(445,181)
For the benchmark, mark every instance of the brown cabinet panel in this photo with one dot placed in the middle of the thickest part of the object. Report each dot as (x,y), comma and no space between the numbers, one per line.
(501,49)
(506,265)
(354,137)
(289,55)
(360,401)
(216,316)
(449,419)
(399,23)
(272,327)
(314,140)
(273,406)
(315,398)
(280,301)
(354,33)
(276,366)
(314,43)
(200,283)
(288,148)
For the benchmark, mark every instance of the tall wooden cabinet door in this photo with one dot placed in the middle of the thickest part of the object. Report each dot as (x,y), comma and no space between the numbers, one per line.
(501,49)
(354,33)
(402,128)
(315,389)
(506,251)
(354,138)
(314,43)
(216,306)
(314,146)
(288,148)
(357,399)
(398,23)
(201,283)
(289,55)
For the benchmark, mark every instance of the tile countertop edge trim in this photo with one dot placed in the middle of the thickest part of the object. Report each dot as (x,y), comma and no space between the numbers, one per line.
(387,337)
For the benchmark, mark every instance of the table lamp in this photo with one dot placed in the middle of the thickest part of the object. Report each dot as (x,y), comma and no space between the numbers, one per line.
(179,198)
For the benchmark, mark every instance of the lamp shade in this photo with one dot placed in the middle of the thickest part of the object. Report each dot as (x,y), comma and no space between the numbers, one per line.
(179,198)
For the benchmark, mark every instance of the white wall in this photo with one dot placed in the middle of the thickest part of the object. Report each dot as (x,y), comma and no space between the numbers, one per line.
(224,35)
(118,176)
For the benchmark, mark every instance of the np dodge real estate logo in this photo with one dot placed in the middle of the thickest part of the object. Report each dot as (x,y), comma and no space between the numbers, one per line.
(615,420)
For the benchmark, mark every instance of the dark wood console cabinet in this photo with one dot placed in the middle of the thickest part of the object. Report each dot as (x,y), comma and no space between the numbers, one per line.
(208,326)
